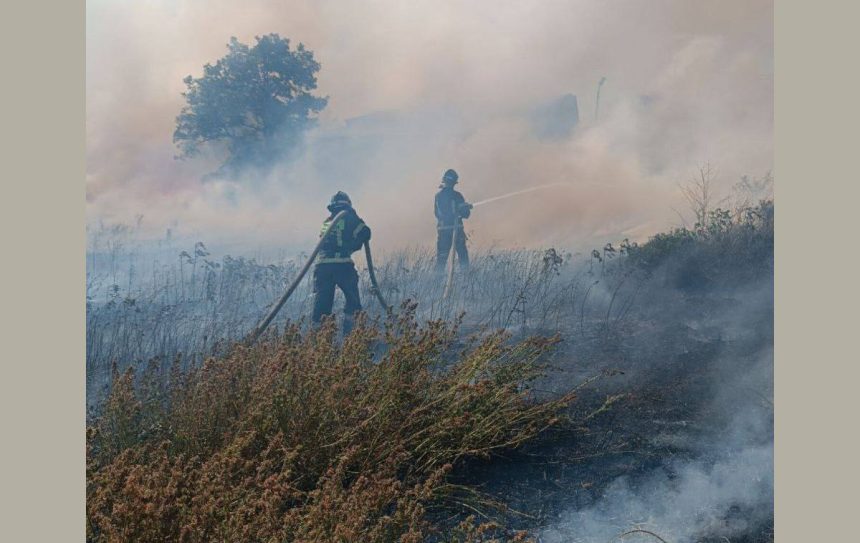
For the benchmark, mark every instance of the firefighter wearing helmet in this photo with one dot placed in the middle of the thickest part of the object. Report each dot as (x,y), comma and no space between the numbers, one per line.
(334,267)
(450,208)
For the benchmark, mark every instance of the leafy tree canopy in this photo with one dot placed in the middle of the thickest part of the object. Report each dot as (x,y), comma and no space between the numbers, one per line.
(255,101)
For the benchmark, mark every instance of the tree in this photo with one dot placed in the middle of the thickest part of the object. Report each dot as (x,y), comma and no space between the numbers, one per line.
(255,101)
(699,193)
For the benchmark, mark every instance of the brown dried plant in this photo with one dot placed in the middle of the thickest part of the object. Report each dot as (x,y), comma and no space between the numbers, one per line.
(305,439)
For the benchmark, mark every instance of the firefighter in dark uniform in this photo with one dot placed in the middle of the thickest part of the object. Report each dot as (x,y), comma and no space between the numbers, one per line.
(334,266)
(450,209)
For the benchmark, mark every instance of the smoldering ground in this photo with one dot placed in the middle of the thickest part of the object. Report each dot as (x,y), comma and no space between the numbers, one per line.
(715,476)
(416,89)
(686,448)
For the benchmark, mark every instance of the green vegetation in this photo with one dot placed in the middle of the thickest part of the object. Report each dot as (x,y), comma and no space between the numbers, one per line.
(725,243)
(256,101)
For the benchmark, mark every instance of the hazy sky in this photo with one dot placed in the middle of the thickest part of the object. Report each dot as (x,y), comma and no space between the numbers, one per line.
(462,80)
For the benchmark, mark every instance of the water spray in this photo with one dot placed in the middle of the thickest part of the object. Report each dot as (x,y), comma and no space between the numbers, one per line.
(541,187)
(517,193)
(449,283)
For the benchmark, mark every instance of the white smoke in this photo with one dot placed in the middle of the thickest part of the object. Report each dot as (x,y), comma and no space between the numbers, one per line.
(722,487)
(725,498)
(439,84)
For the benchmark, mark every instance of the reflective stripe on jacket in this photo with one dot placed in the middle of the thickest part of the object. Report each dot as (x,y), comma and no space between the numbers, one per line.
(344,238)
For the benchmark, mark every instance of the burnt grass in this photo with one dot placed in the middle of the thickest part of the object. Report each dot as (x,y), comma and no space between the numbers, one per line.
(705,317)
(572,466)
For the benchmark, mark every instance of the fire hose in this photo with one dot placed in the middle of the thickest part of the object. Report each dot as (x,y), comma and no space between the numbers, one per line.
(374,285)
(258,331)
(449,282)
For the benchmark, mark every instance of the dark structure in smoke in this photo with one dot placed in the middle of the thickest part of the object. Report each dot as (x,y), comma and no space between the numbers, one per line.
(556,119)
(255,101)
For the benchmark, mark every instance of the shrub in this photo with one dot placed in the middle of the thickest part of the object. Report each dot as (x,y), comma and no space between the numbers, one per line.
(302,438)
(728,244)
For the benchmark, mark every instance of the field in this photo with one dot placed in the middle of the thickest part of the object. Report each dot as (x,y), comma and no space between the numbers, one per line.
(550,397)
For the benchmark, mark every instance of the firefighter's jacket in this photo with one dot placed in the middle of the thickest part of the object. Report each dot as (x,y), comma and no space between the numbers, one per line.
(450,209)
(344,238)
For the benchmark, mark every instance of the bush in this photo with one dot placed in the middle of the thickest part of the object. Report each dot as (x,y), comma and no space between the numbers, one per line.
(301,438)
(727,245)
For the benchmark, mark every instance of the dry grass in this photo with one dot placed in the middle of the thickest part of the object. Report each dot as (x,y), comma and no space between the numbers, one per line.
(301,438)
(193,314)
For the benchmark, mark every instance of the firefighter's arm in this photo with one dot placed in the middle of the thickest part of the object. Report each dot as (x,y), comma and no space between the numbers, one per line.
(361,233)
(463,209)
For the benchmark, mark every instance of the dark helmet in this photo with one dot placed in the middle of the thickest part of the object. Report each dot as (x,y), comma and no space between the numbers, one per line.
(339,200)
(450,177)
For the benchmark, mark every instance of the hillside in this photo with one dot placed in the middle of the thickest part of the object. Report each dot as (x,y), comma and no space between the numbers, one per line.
(628,390)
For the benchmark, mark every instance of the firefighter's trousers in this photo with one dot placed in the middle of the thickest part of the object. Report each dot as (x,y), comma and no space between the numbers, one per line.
(328,276)
(447,236)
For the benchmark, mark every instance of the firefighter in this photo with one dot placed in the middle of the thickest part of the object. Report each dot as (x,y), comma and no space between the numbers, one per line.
(450,209)
(334,266)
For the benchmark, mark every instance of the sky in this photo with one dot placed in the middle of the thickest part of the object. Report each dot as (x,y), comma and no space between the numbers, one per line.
(438,85)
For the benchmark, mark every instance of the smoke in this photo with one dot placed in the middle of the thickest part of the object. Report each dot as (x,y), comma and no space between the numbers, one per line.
(517,193)
(723,487)
(416,88)
(730,497)
(719,483)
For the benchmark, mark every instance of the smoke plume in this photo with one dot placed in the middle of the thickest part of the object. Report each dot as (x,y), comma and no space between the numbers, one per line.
(416,88)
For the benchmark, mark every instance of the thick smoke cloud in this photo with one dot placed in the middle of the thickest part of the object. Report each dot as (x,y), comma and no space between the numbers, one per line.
(418,87)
